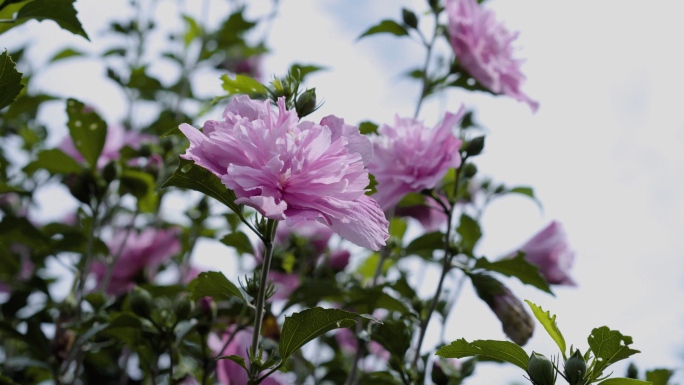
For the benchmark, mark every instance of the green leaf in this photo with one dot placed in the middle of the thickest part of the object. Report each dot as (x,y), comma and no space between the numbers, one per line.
(235,358)
(302,327)
(397,228)
(609,346)
(213,284)
(368,127)
(470,233)
(517,267)
(5,188)
(386,26)
(193,30)
(239,241)
(242,84)
(143,186)
(394,336)
(624,381)
(54,161)
(426,244)
(88,131)
(301,70)
(191,176)
(66,53)
(60,11)
(548,321)
(500,350)
(528,192)
(369,266)
(10,80)
(659,376)
(144,83)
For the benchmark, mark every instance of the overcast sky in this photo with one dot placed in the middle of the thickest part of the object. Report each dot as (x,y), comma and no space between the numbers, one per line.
(603,152)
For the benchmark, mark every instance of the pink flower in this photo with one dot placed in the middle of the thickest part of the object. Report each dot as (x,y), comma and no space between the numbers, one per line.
(410,158)
(339,259)
(117,137)
(291,170)
(141,256)
(484,48)
(230,373)
(550,251)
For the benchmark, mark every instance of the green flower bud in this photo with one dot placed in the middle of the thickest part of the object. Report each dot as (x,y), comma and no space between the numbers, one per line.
(183,307)
(469,170)
(140,302)
(632,371)
(540,370)
(409,18)
(306,103)
(575,368)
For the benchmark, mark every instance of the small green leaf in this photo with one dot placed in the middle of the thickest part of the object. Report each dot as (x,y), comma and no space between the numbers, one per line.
(609,347)
(372,184)
(235,358)
(528,192)
(500,350)
(386,26)
(517,267)
(55,162)
(302,327)
(242,84)
(10,80)
(66,53)
(141,185)
(193,30)
(60,11)
(659,376)
(144,83)
(470,233)
(368,127)
(398,228)
(213,284)
(369,266)
(426,244)
(301,70)
(624,381)
(548,321)
(88,131)
(239,241)
(191,176)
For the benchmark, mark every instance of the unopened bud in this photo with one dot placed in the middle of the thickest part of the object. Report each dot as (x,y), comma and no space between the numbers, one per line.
(140,302)
(109,172)
(575,368)
(306,103)
(469,170)
(183,307)
(540,370)
(438,375)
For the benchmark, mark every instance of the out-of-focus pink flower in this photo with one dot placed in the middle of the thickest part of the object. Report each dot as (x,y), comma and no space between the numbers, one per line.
(250,66)
(550,251)
(430,214)
(291,170)
(348,343)
(230,373)
(339,259)
(285,283)
(410,157)
(484,48)
(117,137)
(140,257)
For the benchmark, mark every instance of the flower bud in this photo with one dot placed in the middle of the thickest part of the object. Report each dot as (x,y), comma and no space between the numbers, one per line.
(183,307)
(306,103)
(540,370)
(409,18)
(438,375)
(575,368)
(109,172)
(140,302)
(469,170)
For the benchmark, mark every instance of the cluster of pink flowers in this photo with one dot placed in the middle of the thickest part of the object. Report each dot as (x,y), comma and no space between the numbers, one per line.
(291,170)
(141,254)
(484,48)
(410,157)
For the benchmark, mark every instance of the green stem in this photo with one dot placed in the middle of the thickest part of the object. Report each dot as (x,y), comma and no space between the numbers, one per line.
(425,78)
(271,226)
